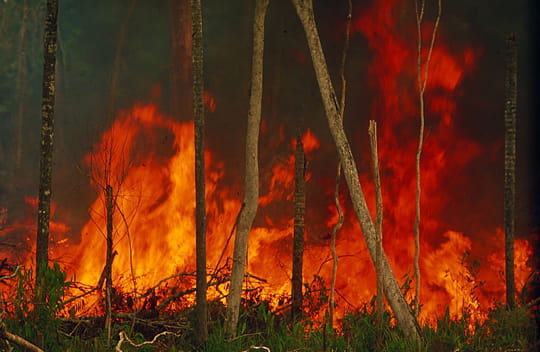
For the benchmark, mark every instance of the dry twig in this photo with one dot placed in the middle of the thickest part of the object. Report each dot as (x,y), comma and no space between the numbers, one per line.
(125,338)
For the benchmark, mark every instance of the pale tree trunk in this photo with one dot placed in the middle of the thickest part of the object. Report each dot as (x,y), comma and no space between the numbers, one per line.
(372,131)
(46,155)
(510,167)
(251,192)
(401,309)
(201,328)
(421,83)
(298,234)
(181,100)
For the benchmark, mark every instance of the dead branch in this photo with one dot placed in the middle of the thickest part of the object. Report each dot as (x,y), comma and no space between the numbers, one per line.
(258,348)
(372,131)
(19,341)
(149,290)
(125,338)
(422,83)
(177,295)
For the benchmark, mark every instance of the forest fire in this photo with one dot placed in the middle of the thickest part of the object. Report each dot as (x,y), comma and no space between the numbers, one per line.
(147,158)
(154,227)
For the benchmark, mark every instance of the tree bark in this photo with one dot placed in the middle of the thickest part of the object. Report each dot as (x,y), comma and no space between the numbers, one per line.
(46,150)
(201,329)
(109,259)
(372,131)
(298,235)
(510,166)
(181,101)
(251,193)
(401,309)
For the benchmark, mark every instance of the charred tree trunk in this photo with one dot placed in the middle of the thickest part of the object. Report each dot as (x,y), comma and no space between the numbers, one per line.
(201,329)
(251,192)
(45,161)
(402,311)
(298,236)
(510,166)
(181,100)
(109,259)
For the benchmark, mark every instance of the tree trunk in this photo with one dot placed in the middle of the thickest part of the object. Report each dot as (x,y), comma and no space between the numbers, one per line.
(181,101)
(251,192)
(201,328)
(510,166)
(401,309)
(298,236)
(421,83)
(372,131)
(45,161)
(108,262)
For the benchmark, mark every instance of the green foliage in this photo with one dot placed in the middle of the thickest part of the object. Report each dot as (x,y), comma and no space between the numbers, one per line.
(33,319)
(259,326)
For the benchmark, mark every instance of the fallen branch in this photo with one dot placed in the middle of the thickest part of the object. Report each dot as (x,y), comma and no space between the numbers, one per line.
(124,338)
(19,341)
(258,348)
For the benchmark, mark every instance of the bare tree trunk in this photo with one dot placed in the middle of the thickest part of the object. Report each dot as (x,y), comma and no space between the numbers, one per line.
(298,235)
(510,166)
(421,82)
(402,311)
(181,100)
(378,223)
(109,259)
(338,225)
(201,329)
(251,195)
(45,161)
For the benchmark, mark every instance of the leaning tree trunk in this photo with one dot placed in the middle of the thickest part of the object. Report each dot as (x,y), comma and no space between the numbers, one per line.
(251,193)
(298,234)
(181,101)
(201,329)
(401,309)
(510,166)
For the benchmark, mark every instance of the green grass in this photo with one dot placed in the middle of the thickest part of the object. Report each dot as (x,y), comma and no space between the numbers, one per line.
(260,329)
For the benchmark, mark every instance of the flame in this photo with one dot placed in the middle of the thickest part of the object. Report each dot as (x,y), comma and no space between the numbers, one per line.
(148,160)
